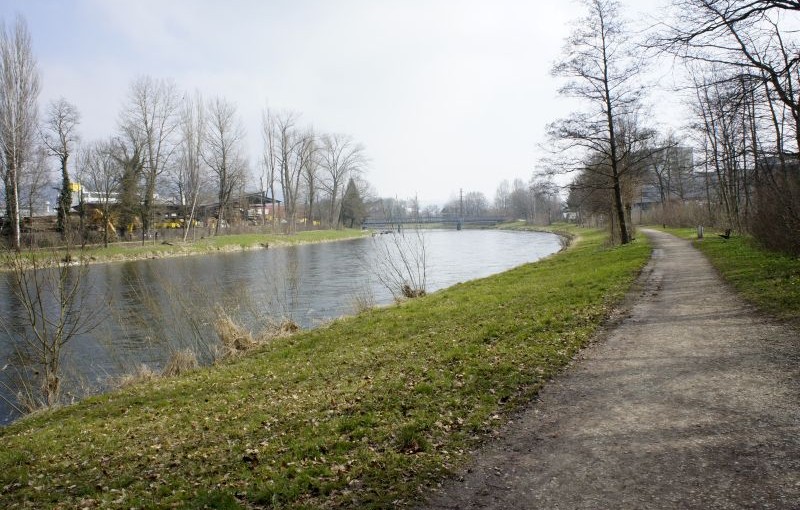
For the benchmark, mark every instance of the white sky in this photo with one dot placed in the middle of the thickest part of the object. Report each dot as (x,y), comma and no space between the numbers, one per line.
(444,94)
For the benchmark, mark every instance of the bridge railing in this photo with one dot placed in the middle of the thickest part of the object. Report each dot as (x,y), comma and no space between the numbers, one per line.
(478,220)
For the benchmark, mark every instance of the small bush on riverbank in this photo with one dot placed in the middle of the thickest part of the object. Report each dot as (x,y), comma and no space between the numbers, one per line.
(179,363)
(234,338)
(362,413)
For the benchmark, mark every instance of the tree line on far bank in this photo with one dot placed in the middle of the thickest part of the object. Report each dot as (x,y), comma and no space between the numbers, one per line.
(733,165)
(171,147)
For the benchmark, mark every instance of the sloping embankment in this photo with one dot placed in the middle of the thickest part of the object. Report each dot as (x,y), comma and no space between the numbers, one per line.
(361,413)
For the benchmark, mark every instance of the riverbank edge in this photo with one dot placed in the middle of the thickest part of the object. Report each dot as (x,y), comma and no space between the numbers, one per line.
(230,244)
(409,443)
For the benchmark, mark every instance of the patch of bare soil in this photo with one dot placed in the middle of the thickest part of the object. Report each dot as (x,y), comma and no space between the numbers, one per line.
(692,401)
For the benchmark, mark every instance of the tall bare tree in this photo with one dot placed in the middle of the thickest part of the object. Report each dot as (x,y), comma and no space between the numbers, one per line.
(311,182)
(223,137)
(502,199)
(519,199)
(340,158)
(601,71)
(150,120)
(103,174)
(744,36)
(189,169)
(743,57)
(302,162)
(270,157)
(35,182)
(292,149)
(60,137)
(19,91)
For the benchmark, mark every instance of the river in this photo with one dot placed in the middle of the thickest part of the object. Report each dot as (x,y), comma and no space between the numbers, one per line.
(144,310)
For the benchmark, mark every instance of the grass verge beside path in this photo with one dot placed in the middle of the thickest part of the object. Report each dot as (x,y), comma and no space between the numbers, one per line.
(363,413)
(234,242)
(767,279)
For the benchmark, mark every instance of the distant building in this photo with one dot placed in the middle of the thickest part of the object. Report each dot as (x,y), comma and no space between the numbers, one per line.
(255,206)
(671,177)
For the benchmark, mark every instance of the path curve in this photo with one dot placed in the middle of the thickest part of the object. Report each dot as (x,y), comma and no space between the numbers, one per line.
(693,401)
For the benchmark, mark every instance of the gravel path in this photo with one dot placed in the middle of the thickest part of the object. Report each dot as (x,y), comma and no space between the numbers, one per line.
(693,401)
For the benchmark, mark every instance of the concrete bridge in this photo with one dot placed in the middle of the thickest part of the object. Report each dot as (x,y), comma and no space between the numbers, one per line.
(457,222)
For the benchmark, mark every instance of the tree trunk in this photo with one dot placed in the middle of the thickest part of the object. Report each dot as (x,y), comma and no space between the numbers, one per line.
(64,199)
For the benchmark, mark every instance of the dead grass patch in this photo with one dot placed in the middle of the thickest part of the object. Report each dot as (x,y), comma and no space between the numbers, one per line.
(142,373)
(180,362)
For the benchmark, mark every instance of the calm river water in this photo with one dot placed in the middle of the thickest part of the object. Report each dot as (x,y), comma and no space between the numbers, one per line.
(150,308)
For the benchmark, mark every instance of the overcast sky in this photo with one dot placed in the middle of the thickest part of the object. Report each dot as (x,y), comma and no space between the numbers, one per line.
(443,94)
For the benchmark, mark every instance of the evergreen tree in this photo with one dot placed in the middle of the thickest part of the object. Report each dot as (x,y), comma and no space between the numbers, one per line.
(353,210)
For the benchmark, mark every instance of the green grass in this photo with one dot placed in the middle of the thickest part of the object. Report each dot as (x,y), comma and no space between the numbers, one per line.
(134,251)
(767,279)
(363,413)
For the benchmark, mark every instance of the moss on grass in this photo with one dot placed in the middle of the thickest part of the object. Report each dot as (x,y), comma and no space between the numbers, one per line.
(362,413)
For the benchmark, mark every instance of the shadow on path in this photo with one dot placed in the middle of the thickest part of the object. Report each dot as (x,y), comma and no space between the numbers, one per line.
(691,402)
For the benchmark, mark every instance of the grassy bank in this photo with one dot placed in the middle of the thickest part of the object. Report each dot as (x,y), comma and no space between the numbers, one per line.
(173,248)
(362,413)
(769,280)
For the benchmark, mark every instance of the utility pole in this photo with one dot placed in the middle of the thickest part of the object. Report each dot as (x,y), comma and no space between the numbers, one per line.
(460,209)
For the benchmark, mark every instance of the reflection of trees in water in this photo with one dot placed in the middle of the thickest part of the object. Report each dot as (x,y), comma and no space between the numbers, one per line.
(165,306)
(164,311)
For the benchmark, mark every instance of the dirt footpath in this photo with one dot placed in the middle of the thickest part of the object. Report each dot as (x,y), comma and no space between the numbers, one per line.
(693,401)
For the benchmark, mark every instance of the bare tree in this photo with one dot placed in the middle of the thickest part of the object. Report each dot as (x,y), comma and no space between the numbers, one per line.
(35,181)
(743,36)
(544,198)
(150,120)
(311,183)
(19,91)
(470,204)
(520,201)
(589,196)
(103,174)
(223,137)
(502,198)
(401,263)
(56,306)
(189,171)
(60,137)
(602,72)
(304,162)
(293,147)
(743,60)
(270,157)
(340,158)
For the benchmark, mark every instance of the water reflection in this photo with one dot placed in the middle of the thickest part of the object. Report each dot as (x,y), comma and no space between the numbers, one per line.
(154,307)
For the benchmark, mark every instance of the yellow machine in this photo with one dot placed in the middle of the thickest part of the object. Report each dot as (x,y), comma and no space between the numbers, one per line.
(99,220)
